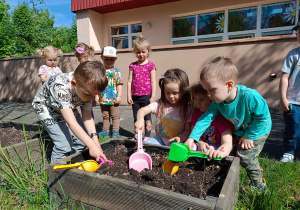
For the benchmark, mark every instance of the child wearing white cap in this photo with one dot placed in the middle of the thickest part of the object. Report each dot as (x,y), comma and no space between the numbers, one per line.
(110,98)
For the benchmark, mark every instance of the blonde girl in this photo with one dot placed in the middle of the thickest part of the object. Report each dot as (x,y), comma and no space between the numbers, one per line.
(172,110)
(50,55)
(141,86)
(84,53)
(216,141)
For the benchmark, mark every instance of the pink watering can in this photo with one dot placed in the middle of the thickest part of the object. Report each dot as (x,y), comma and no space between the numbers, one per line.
(140,160)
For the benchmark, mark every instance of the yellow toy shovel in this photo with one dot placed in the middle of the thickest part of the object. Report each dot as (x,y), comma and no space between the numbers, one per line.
(88,165)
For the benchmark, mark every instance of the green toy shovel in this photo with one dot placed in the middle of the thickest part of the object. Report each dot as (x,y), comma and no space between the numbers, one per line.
(180,152)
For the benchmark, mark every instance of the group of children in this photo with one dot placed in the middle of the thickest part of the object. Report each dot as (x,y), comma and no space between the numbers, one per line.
(213,115)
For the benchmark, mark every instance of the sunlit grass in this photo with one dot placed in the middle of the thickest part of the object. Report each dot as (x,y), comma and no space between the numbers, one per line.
(283,182)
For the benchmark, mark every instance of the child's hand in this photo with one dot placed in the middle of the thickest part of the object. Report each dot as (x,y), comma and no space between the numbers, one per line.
(176,139)
(189,142)
(151,100)
(213,154)
(246,143)
(97,99)
(284,104)
(129,100)
(139,124)
(96,152)
(118,100)
(203,147)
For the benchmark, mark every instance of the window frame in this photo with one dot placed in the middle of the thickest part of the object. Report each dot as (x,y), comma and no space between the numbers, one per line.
(129,35)
(258,32)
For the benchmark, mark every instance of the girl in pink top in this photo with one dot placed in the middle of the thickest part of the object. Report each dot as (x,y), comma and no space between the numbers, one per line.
(217,138)
(141,86)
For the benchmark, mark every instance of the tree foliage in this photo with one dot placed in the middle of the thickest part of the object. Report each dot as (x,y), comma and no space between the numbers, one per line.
(28,28)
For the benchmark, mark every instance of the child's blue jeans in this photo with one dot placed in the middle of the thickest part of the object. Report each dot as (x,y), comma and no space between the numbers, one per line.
(65,142)
(292,129)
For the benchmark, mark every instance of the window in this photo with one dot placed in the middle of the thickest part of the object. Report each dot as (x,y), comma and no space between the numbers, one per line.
(212,23)
(236,23)
(122,36)
(278,15)
(184,26)
(242,19)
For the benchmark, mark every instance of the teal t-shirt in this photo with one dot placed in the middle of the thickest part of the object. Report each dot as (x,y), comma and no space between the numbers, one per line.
(249,113)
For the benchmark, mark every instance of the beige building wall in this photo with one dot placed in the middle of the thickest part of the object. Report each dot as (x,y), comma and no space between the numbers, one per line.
(159,16)
(255,58)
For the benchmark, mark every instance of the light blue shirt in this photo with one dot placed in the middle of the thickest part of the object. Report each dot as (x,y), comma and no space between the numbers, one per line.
(249,113)
(291,66)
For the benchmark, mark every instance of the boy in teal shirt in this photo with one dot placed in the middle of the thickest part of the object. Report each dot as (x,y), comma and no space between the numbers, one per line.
(244,107)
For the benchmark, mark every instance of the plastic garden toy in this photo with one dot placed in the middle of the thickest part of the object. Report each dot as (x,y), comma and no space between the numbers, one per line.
(140,160)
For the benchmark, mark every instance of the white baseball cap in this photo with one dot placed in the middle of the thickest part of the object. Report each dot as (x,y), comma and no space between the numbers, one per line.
(109,51)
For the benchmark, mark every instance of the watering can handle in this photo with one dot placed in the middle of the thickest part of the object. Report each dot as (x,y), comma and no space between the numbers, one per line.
(140,141)
(201,155)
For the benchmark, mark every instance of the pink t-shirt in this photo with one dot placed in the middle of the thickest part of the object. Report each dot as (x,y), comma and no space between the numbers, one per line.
(212,135)
(141,78)
(171,124)
(49,71)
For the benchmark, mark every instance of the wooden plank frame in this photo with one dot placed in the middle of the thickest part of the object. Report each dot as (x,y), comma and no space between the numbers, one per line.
(93,190)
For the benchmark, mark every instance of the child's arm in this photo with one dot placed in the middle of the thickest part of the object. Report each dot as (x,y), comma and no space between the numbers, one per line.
(225,148)
(183,137)
(283,85)
(153,86)
(93,144)
(129,99)
(43,78)
(97,99)
(119,94)
(139,124)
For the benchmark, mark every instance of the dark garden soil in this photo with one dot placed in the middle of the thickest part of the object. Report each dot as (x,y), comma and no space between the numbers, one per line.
(196,177)
(11,133)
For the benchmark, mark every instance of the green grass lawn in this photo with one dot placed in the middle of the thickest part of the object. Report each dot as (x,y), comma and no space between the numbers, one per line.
(23,187)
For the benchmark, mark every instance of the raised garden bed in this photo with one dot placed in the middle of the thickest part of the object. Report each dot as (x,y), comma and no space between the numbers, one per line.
(94,189)
(14,146)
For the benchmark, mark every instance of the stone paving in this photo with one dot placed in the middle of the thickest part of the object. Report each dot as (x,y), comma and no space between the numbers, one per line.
(16,112)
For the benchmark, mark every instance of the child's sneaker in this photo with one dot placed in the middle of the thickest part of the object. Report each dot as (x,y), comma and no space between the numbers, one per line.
(103,133)
(146,138)
(134,138)
(115,134)
(260,187)
(287,158)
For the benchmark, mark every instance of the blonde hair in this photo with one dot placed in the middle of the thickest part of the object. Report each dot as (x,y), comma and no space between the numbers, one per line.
(49,50)
(196,88)
(87,50)
(221,67)
(141,42)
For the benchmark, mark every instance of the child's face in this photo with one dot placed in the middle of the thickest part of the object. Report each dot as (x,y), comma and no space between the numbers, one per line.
(51,60)
(84,92)
(172,93)
(141,54)
(108,62)
(83,59)
(201,101)
(217,90)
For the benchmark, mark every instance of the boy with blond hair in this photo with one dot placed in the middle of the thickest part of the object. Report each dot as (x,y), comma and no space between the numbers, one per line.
(245,108)
(55,105)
